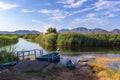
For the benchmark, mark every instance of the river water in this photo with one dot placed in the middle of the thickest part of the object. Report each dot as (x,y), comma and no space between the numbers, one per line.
(68,52)
(23,44)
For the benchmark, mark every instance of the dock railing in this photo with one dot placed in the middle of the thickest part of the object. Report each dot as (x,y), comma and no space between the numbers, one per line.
(29,53)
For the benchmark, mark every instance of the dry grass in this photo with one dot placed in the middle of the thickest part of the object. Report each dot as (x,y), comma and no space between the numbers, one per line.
(108,75)
(103,72)
(104,60)
(97,67)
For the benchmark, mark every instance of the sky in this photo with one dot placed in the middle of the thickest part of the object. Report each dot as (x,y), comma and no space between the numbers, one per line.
(42,14)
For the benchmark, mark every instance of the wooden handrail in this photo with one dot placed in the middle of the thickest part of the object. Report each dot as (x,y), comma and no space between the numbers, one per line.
(22,53)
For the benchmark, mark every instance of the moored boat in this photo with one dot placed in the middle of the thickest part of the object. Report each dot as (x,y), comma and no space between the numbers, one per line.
(51,57)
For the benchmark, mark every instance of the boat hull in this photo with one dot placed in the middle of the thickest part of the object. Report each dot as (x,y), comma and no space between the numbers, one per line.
(51,57)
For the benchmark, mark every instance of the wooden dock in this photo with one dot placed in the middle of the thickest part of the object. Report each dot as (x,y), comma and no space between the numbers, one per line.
(31,54)
(26,61)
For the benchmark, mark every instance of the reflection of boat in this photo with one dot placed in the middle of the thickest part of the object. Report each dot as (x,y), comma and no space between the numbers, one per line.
(51,57)
(70,64)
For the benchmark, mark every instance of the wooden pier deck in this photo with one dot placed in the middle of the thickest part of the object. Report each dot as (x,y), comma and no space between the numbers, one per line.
(32,54)
(27,61)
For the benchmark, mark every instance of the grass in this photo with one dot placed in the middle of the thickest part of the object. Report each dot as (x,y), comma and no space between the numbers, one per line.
(5,56)
(104,60)
(79,39)
(8,39)
(103,72)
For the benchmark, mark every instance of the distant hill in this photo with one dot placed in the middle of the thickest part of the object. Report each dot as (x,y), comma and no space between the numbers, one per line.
(86,30)
(20,32)
(78,29)
(115,31)
(63,30)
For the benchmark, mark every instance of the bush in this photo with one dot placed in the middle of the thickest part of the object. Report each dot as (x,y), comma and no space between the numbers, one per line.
(7,39)
(5,56)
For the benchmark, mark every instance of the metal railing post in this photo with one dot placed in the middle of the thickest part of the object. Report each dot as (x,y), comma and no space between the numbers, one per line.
(48,58)
(17,57)
(52,58)
(35,53)
(41,52)
(10,56)
(29,54)
(23,54)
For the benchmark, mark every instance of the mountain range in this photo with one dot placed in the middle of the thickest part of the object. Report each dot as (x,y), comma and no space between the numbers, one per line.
(20,32)
(86,30)
(78,29)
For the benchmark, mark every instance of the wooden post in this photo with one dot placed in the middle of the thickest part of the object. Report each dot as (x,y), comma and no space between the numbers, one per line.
(17,57)
(52,58)
(29,54)
(23,54)
(35,53)
(40,52)
(48,58)
(10,56)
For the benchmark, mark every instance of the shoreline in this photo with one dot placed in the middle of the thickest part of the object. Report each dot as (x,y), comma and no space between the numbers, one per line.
(96,71)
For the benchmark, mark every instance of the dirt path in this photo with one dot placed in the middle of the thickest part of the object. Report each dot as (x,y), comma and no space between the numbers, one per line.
(27,65)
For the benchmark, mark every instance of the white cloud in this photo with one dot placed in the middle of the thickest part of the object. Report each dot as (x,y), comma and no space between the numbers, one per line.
(48,4)
(46,26)
(72,3)
(83,10)
(26,10)
(66,1)
(106,8)
(107,5)
(55,14)
(36,21)
(91,15)
(102,7)
(45,11)
(91,20)
(6,6)
(111,15)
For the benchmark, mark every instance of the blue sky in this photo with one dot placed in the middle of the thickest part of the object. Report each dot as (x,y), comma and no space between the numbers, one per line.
(41,14)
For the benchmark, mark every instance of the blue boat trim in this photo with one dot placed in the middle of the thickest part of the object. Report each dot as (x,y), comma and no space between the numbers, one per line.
(8,64)
(51,57)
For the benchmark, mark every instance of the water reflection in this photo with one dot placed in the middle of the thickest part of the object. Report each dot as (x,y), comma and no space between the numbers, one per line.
(114,65)
(101,50)
(70,51)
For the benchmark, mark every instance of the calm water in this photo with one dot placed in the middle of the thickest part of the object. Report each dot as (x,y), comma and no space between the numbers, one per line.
(74,52)
(71,53)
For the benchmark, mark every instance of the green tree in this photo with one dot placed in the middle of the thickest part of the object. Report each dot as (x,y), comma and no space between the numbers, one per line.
(51,30)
